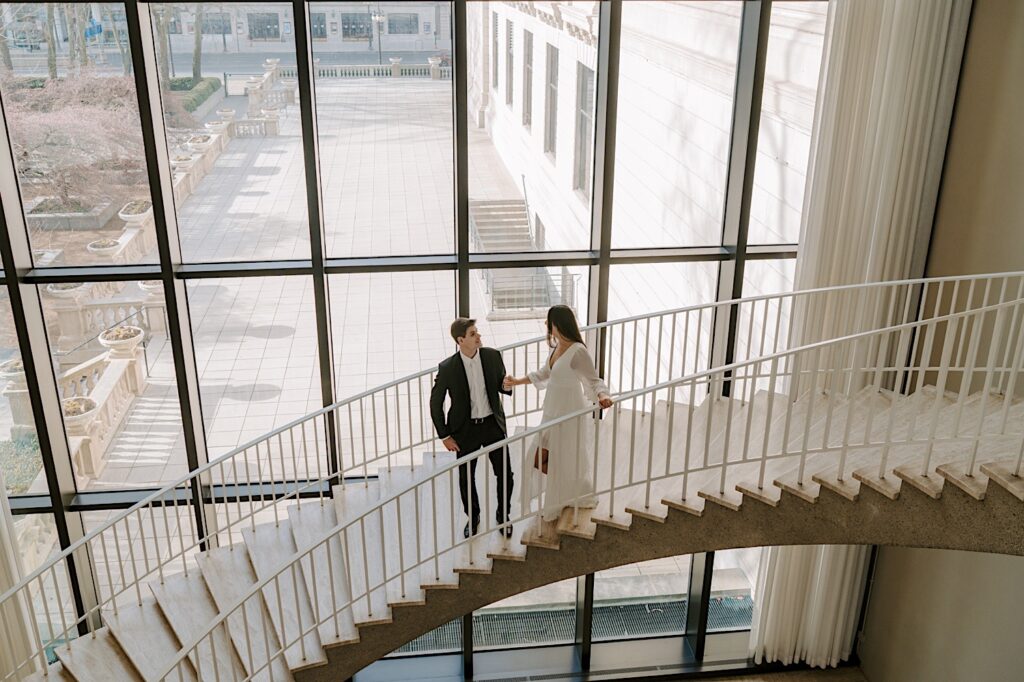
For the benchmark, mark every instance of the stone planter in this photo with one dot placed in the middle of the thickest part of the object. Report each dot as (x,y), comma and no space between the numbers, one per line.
(93,219)
(226,114)
(152,287)
(395,60)
(183,163)
(122,340)
(67,290)
(271,113)
(216,127)
(78,411)
(273,61)
(197,144)
(103,247)
(135,212)
(434,61)
(13,370)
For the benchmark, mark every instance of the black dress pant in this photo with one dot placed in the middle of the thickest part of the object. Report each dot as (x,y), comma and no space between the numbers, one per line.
(470,439)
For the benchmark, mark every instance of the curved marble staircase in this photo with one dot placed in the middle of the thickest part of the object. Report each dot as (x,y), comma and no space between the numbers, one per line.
(912,434)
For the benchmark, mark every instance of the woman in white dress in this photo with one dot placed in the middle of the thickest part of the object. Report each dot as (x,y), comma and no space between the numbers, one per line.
(563,452)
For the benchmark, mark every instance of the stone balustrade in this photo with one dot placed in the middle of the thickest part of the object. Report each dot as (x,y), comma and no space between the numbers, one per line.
(433,71)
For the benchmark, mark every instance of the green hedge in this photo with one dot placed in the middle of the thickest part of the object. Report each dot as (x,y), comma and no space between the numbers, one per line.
(192,97)
(21,463)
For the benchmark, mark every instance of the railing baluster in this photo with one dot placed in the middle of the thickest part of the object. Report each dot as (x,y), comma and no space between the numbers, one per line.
(366,565)
(401,546)
(772,376)
(616,409)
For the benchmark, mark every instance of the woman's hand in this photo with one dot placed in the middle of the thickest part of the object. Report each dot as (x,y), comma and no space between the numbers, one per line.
(604,400)
(510,381)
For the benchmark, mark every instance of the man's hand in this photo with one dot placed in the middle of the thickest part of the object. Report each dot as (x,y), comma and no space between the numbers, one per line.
(450,444)
(508,382)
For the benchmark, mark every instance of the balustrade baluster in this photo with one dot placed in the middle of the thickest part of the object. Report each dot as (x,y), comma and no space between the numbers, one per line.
(616,409)
(131,557)
(401,545)
(811,395)
(365,551)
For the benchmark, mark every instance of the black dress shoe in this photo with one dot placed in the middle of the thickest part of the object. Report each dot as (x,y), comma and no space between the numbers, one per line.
(466,532)
(506,531)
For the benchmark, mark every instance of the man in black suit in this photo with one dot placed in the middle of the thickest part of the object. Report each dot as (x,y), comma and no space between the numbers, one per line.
(472,378)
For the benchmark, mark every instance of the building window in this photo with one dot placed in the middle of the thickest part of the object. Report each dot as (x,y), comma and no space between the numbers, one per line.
(318,25)
(264,26)
(551,101)
(216,24)
(509,62)
(494,50)
(527,78)
(584,129)
(403,24)
(356,27)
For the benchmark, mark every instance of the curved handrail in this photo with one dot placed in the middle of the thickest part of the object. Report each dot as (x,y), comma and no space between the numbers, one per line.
(731,374)
(900,292)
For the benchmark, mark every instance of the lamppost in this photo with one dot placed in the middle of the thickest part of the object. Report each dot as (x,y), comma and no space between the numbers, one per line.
(378,18)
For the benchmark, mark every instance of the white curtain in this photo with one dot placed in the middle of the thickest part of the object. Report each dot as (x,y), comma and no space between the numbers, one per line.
(807,600)
(885,98)
(15,618)
(887,85)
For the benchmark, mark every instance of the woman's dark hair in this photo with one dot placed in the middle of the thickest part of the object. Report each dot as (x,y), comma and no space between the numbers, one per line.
(562,318)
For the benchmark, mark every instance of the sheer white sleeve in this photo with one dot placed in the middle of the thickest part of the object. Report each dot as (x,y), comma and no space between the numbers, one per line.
(539,378)
(583,365)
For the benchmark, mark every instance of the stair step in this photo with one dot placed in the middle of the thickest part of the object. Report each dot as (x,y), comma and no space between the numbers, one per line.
(888,486)
(577,523)
(768,494)
(974,485)
(55,671)
(542,534)
(270,546)
(930,485)
(806,488)
(325,573)
(147,639)
(96,658)
(186,603)
(229,575)
(1004,474)
(361,541)
(847,487)
(730,499)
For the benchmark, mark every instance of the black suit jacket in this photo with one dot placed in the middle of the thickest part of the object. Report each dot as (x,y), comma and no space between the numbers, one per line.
(451,380)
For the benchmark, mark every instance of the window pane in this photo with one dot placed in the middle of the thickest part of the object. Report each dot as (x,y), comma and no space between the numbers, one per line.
(681,343)
(732,586)
(115,373)
(20,461)
(522,178)
(137,539)
(641,600)
(256,352)
(77,140)
(35,537)
(512,304)
(545,615)
(763,328)
(386,131)
(235,146)
(444,639)
(676,89)
(389,325)
(787,114)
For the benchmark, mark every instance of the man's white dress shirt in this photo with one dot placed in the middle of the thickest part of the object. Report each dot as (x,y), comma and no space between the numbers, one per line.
(480,407)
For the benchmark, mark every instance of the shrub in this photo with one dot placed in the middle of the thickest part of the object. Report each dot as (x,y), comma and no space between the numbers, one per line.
(20,462)
(191,98)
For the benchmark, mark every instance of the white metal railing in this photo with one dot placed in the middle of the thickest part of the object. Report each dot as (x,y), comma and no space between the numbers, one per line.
(387,426)
(858,360)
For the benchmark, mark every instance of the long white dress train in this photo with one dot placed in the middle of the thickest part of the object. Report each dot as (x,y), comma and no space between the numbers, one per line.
(572,384)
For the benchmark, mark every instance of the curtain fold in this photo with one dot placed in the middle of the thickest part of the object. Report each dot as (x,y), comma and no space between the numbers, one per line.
(885,99)
(15,616)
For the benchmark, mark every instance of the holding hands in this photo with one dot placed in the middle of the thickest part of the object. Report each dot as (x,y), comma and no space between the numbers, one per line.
(603,399)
